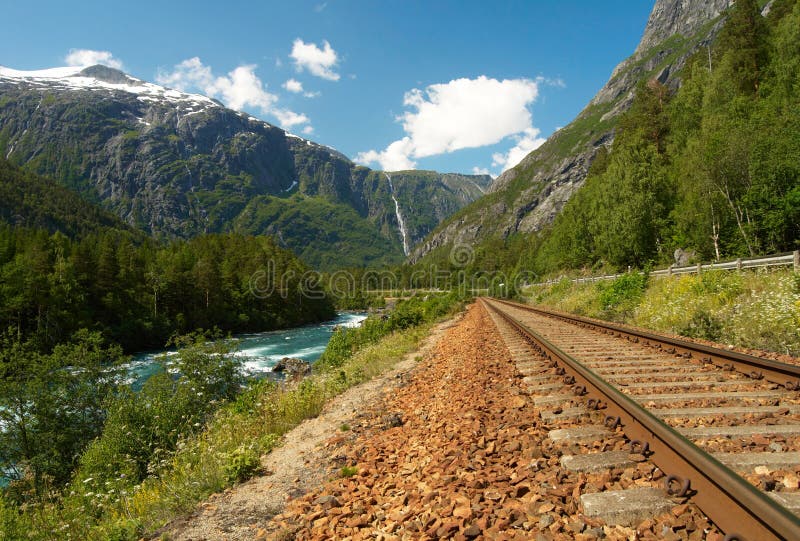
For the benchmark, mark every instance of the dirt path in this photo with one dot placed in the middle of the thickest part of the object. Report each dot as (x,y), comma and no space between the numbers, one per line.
(305,460)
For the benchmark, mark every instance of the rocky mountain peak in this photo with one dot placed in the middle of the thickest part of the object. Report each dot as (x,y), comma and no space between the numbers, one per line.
(107,75)
(684,17)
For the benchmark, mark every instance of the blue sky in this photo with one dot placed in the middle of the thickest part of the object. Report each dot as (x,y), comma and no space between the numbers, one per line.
(454,86)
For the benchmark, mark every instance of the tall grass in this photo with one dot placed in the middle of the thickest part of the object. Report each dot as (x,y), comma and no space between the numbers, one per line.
(748,309)
(755,309)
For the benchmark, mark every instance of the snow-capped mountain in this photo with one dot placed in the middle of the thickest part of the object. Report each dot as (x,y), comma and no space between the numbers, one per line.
(177,164)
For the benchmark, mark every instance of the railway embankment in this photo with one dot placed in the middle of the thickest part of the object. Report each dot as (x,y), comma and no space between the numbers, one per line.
(750,310)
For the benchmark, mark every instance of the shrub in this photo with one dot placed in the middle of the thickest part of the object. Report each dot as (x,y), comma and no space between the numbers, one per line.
(754,309)
(241,464)
(703,324)
(144,428)
(619,297)
(408,313)
(184,455)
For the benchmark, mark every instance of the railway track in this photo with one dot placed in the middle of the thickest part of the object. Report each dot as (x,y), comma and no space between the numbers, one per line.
(719,429)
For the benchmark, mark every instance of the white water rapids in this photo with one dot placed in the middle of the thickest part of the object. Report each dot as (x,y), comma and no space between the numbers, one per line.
(400,220)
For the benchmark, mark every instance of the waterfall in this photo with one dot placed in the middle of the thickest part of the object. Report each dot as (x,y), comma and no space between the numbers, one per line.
(397,213)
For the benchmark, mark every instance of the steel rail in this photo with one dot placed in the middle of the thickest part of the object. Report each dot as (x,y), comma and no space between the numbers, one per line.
(733,504)
(787,375)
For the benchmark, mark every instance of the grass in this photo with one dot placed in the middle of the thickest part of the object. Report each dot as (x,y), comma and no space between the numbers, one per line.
(752,309)
(209,462)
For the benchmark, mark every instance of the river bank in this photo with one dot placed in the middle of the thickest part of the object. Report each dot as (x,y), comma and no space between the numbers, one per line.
(108,499)
(305,459)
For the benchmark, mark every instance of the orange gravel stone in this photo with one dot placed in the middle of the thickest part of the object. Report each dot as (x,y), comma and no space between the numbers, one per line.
(465,455)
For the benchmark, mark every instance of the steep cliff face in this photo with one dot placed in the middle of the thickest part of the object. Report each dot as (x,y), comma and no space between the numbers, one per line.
(528,196)
(176,164)
(684,17)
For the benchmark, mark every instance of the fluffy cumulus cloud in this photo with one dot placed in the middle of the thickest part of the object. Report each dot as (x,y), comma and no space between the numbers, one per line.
(464,113)
(317,61)
(88,57)
(394,158)
(239,89)
(293,85)
(527,141)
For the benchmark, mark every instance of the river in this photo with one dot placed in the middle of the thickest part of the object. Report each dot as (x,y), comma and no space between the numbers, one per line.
(258,351)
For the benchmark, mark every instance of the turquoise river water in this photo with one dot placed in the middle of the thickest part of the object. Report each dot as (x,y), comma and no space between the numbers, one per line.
(258,351)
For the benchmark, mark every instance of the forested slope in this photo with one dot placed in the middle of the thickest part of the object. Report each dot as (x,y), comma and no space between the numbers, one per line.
(713,168)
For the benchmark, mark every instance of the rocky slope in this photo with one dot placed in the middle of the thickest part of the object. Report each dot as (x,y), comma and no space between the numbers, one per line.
(528,197)
(176,164)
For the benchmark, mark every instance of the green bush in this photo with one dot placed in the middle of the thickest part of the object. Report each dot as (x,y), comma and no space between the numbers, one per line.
(144,428)
(619,297)
(156,457)
(124,530)
(703,324)
(241,464)
(754,309)
(406,314)
(10,524)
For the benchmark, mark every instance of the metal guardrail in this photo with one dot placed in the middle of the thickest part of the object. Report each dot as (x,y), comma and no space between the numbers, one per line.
(783,260)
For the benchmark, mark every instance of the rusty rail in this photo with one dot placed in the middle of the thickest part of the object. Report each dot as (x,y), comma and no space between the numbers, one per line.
(787,375)
(738,508)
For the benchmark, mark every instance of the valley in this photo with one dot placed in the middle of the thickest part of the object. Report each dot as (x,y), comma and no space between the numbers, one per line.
(170,228)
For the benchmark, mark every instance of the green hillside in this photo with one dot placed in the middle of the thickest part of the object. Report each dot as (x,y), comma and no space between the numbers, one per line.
(713,168)
(29,200)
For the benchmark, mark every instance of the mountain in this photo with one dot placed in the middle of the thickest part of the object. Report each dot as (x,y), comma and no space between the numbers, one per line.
(176,165)
(527,197)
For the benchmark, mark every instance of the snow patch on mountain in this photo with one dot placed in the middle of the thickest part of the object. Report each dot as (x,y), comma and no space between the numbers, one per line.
(103,78)
(74,77)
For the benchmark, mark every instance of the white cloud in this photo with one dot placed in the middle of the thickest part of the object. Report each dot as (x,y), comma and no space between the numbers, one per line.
(288,118)
(557,82)
(527,142)
(296,87)
(480,171)
(293,85)
(189,73)
(319,62)
(240,89)
(394,158)
(88,57)
(464,113)
(308,130)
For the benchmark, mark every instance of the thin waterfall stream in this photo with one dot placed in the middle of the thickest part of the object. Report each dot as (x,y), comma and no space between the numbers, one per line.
(399,216)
